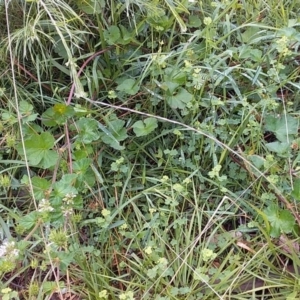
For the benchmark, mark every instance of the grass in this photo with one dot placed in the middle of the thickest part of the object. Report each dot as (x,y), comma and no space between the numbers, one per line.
(149,150)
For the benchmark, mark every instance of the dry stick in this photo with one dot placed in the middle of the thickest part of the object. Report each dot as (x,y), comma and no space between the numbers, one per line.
(68,144)
(276,190)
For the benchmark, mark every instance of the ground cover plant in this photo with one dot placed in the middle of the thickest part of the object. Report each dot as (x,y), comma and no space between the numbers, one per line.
(149,149)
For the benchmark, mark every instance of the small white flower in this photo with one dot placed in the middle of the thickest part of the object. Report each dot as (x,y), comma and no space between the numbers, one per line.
(6,291)
(44,206)
(124,226)
(112,94)
(178,187)
(103,294)
(164,179)
(2,250)
(207,20)
(187,181)
(14,253)
(162,261)
(105,212)
(8,250)
(152,211)
(67,211)
(127,296)
(148,250)
(208,254)
(68,199)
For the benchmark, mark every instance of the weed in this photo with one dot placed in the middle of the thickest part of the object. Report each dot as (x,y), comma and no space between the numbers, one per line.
(149,149)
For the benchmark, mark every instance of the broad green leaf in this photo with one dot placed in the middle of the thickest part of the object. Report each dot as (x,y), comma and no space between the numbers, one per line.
(296,189)
(127,36)
(180,99)
(9,118)
(152,273)
(29,220)
(62,188)
(160,23)
(290,32)
(145,127)
(62,109)
(128,86)
(199,275)
(194,21)
(82,153)
(117,133)
(281,126)
(81,166)
(37,150)
(272,213)
(287,221)
(59,47)
(281,220)
(247,52)
(50,286)
(250,33)
(170,86)
(26,110)
(65,259)
(68,179)
(25,107)
(84,173)
(32,130)
(180,78)
(172,152)
(40,186)
(107,132)
(57,115)
(278,147)
(257,161)
(108,138)
(48,117)
(88,130)
(112,35)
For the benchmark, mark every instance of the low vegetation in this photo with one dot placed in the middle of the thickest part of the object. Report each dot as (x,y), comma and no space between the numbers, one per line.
(149,149)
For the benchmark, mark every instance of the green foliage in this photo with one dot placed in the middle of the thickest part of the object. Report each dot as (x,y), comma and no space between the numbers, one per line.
(57,115)
(87,130)
(281,220)
(39,151)
(115,134)
(128,86)
(179,98)
(29,221)
(145,127)
(296,189)
(284,127)
(112,35)
(149,149)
